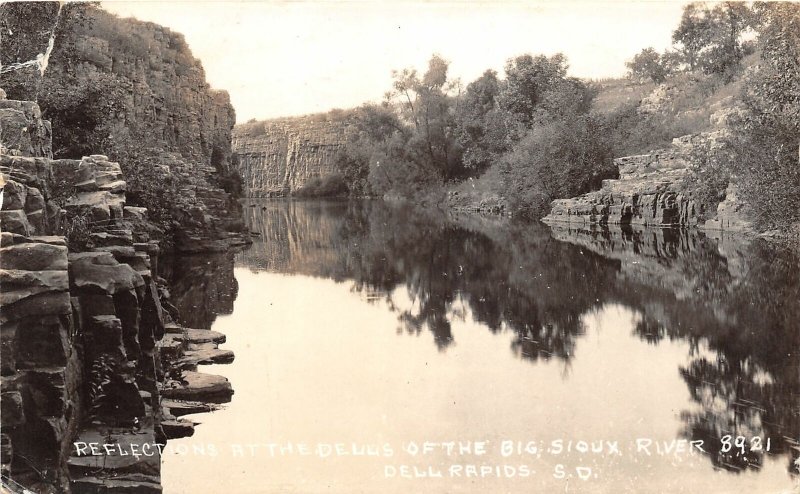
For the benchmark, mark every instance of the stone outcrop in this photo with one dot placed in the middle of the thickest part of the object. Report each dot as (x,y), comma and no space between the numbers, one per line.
(651,191)
(82,327)
(276,157)
(205,218)
(22,130)
(39,384)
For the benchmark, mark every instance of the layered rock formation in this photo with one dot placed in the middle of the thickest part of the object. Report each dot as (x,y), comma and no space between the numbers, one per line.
(651,191)
(84,357)
(276,157)
(134,90)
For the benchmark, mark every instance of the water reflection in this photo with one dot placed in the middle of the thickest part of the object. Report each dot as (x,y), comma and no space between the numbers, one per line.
(200,286)
(735,304)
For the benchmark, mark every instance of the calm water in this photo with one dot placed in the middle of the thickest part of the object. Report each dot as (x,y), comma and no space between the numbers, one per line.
(387,349)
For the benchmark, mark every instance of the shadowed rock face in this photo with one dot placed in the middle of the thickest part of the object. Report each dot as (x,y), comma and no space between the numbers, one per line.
(81,323)
(22,129)
(279,156)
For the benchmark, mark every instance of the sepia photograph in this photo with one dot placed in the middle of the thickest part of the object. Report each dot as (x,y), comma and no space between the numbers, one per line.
(404,246)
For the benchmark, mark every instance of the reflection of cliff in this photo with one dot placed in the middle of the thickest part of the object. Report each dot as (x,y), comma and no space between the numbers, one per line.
(299,237)
(735,303)
(675,260)
(281,155)
(201,287)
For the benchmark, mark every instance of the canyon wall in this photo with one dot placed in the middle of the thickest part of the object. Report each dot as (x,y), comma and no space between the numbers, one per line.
(277,157)
(134,90)
(159,94)
(90,353)
(71,312)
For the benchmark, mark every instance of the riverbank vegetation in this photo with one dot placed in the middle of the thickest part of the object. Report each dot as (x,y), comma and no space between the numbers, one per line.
(533,134)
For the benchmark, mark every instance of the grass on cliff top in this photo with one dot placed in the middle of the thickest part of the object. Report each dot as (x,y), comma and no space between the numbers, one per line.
(613,94)
(255,128)
(690,101)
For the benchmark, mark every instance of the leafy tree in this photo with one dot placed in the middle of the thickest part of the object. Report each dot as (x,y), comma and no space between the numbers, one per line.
(401,165)
(560,159)
(729,21)
(693,34)
(528,79)
(483,129)
(711,38)
(766,138)
(671,61)
(373,126)
(352,162)
(426,104)
(709,177)
(647,65)
(333,185)
(81,110)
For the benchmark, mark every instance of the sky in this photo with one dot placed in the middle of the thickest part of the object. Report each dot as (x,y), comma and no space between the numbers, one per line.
(282,58)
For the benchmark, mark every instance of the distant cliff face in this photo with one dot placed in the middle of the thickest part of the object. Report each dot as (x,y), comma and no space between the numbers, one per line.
(276,157)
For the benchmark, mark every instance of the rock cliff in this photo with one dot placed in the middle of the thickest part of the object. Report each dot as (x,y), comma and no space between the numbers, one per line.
(134,90)
(89,346)
(162,94)
(276,157)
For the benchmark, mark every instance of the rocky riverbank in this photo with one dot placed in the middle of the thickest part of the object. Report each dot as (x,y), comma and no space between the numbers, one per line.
(653,189)
(95,370)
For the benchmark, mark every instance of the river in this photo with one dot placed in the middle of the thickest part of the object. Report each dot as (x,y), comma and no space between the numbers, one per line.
(388,349)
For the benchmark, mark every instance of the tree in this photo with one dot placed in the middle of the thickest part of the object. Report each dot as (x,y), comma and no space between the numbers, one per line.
(482,129)
(647,65)
(528,78)
(729,20)
(563,158)
(373,126)
(427,104)
(711,38)
(766,138)
(693,34)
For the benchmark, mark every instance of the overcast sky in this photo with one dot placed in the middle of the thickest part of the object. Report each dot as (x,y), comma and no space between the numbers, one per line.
(280,58)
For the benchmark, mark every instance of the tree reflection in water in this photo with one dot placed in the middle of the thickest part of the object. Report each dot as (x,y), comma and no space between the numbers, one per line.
(735,303)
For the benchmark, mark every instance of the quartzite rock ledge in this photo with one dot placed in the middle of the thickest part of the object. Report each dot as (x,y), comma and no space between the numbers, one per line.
(650,192)
(88,350)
